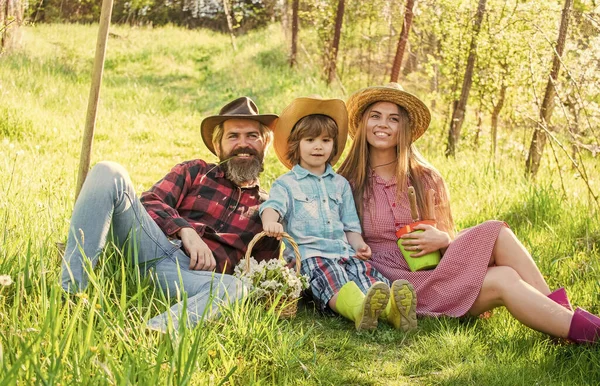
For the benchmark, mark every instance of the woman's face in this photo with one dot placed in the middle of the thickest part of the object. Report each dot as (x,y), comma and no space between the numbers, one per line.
(383,124)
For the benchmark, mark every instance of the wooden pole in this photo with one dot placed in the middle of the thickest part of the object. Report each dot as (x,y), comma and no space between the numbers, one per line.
(90,120)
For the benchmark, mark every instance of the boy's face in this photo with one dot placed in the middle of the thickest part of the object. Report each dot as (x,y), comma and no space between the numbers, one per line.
(314,153)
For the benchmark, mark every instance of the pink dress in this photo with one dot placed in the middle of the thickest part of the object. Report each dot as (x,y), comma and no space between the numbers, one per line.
(452,287)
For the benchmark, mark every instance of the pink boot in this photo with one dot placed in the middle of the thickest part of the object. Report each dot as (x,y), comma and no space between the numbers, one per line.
(585,327)
(560,296)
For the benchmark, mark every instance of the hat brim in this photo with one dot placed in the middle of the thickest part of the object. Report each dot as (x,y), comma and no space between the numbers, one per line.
(207,127)
(418,113)
(302,107)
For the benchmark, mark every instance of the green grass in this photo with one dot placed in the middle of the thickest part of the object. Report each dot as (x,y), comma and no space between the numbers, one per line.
(158,85)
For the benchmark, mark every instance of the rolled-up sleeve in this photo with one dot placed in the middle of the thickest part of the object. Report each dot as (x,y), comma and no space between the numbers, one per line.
(278,200)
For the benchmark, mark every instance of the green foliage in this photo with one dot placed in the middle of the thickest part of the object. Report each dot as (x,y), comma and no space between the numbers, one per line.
(246,14)
(158,85)
(514,50)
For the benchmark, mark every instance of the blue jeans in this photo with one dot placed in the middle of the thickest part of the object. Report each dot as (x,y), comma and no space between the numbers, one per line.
(108,207)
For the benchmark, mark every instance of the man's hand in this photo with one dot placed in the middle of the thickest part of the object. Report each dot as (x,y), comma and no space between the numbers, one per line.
(201,257)
(273,229)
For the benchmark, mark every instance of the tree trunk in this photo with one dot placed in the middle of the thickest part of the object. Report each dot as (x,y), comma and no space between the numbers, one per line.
(285,18)
(391,33)
(458,114)
(434,82)
(479,115)
(331,65)
(11,19)
(412,61)
(229,23)
(536,148)
(571,104)
(408,16)
(495,115)
(295,6)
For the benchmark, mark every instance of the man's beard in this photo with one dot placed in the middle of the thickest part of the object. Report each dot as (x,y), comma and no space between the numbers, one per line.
(243,170)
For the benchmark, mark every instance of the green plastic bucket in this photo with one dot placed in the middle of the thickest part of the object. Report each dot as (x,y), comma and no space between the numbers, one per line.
(428,261)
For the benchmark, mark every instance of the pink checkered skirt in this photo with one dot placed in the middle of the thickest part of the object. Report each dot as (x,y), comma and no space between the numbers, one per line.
(452,287)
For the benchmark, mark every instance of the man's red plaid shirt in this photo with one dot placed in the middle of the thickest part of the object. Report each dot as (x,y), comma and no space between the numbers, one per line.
(196,194)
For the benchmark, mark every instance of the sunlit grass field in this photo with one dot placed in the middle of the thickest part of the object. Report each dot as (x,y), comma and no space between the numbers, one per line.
(158,85)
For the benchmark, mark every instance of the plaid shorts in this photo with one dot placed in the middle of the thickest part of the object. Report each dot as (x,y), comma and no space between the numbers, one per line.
(327,276)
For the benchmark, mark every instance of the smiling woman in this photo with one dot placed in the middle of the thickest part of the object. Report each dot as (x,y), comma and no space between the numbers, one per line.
(483,267)
(383,121)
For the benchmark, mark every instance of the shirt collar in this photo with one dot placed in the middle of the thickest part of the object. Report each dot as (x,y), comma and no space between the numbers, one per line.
(378,180)
(219,172)
(300,172)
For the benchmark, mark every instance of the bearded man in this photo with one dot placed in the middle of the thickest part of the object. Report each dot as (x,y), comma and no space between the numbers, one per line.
(192,227)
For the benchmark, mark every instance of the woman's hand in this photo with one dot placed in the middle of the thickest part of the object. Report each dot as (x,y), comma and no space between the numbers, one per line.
(422,243)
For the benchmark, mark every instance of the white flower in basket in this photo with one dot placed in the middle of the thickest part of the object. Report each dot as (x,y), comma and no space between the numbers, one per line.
(272,281)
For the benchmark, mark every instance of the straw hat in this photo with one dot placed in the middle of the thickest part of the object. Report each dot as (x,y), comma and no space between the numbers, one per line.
(241,108)
(418,113)
(300,108)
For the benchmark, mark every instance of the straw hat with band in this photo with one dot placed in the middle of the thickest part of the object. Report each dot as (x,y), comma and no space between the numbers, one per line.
(418,114)
(302,107)
(241,108)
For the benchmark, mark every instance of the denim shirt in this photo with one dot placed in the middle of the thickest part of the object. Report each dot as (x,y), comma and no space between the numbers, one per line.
(315,211)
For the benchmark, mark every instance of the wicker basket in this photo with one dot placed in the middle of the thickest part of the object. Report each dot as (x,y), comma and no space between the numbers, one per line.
(286,307)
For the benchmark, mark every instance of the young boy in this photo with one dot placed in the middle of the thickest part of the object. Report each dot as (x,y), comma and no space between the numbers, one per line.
(314,205)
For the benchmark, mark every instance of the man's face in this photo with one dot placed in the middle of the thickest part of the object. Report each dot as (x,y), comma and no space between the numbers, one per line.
(244,148)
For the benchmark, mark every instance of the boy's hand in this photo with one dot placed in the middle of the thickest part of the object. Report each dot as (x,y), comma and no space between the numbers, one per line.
(273,229)
(363,252)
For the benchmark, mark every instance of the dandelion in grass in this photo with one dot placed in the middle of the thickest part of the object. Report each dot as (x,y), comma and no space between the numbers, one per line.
(83,296)
(5,280)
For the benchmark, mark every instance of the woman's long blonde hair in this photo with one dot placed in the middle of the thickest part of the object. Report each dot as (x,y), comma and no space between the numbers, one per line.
(410,167)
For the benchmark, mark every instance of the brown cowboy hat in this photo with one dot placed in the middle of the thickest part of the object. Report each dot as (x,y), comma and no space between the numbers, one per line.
(418,113)
(241,108)
(300,108)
